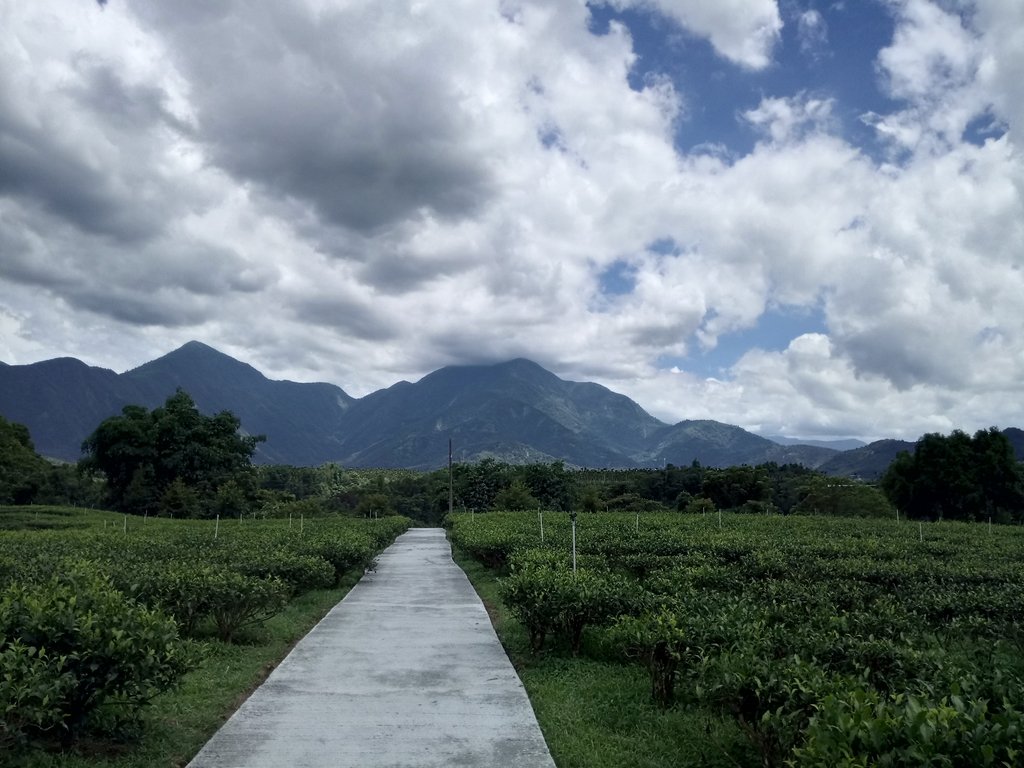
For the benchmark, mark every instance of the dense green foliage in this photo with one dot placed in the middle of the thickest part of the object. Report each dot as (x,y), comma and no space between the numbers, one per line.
(421,496)
(490,484)
(21,469)
(595,711)
(549,599)
(764,488)
(76,655)
(28,478)
(94,615)
(172,459)
(958,477)
(827,641)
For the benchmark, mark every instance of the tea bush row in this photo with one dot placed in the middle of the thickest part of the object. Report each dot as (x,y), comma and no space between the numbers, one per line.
(92,621)
(829,642)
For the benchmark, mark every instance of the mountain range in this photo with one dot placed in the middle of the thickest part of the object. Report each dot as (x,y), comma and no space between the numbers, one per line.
(514,411)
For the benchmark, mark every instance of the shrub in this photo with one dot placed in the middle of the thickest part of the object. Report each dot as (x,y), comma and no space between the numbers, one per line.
(343,553)
(547,597)
(31,686)
(661,638)
(75,653)
(238,601)
(772,700)
(300,572)
(862,727)
(182,590)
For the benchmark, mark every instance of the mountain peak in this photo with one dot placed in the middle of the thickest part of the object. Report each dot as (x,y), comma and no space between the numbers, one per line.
(197,349)
(476,374)
(196,346)
(521,366)
(199,357)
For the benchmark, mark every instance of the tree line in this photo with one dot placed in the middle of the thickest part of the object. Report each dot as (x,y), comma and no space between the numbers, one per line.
(177,462)
(958,477)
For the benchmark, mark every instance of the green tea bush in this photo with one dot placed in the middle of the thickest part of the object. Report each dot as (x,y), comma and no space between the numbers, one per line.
(31,686)
(300,572)
(185,591)
(344,554)
(549,598)
(238,601)
(861,727)
(77,655)
(771,699)
(663,640)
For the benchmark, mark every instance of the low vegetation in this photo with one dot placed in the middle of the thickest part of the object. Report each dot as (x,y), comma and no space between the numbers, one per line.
(825,642)
(104,615)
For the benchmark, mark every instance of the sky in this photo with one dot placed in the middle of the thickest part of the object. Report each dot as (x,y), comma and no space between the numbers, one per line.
(804,217)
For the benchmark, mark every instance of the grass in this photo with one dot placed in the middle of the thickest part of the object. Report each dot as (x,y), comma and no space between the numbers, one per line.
(37,518)
(178,723)
(598,714)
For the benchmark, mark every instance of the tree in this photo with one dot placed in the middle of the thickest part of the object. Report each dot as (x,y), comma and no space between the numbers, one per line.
(477,485)
(374,504)
(22,470)
(732,487)
(957,477)
(840,497)
(515,497)
(120,447)
(178,500)
(551,484)
(142,453)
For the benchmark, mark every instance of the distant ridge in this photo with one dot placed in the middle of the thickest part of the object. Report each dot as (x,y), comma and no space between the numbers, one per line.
(866,463)
(304,419)
(514,411)
(62,401)
(835,445)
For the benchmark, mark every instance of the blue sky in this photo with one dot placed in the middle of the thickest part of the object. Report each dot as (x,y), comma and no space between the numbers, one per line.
(833,57)
(836,60)
(801,217)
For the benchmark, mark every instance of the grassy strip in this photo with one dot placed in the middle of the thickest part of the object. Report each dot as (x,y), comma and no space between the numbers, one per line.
(38,518)
(598,714)
(179,722)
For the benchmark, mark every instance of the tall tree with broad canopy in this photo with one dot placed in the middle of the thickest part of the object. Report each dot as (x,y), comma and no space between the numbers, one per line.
(145,454)
(958,477)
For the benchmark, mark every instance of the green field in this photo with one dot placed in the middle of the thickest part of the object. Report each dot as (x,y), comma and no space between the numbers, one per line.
(126,641)
(680,640)
(754,640)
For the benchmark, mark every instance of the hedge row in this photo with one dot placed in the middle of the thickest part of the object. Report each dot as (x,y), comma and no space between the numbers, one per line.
(92,621)
(831,643)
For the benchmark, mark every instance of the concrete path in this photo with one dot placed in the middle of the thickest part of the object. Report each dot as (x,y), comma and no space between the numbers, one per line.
(406,671)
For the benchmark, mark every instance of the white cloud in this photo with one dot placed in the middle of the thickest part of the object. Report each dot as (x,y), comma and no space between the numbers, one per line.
(812,30)
(1001,68)
(359,193)
(744,31)
(937,65)
(784,119)
(931,52)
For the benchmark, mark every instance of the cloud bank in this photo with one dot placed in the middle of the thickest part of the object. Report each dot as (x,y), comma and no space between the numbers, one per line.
(360,192)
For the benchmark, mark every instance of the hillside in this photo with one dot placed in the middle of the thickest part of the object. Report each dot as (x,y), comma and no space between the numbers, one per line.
(515,411)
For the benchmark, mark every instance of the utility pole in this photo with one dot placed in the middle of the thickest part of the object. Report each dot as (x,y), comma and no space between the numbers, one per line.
(451,497)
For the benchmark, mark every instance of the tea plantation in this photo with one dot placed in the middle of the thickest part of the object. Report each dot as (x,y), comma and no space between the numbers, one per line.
(823,641)
(101,614)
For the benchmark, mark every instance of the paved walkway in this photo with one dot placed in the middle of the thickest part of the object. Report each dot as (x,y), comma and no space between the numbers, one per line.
(405,672)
